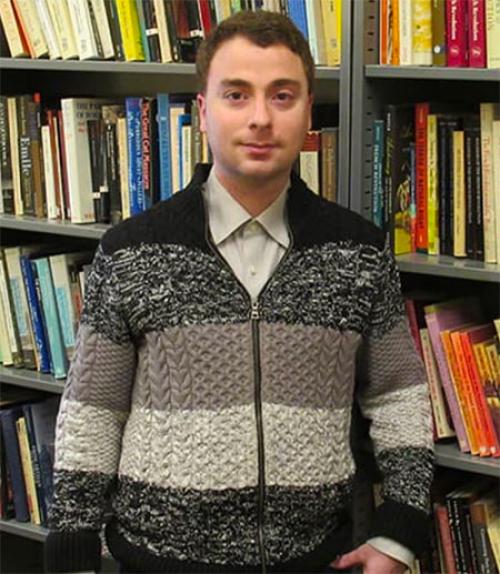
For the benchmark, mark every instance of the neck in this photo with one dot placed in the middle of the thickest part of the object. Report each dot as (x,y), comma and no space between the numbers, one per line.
(254,195)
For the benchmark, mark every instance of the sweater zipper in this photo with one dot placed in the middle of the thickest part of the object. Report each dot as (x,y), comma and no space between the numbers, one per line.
(255,318)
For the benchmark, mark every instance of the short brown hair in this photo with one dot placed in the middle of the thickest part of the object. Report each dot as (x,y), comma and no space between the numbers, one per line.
(263,29)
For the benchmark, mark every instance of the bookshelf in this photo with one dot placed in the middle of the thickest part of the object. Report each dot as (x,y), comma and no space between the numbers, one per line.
(373,86)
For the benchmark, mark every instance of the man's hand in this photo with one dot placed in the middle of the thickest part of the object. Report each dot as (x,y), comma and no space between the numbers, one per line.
(372,561)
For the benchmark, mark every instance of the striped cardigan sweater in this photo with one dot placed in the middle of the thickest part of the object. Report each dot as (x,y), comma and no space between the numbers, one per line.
(217,431)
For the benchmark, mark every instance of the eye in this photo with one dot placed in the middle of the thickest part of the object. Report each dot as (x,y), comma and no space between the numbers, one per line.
(284,97)
(234,96)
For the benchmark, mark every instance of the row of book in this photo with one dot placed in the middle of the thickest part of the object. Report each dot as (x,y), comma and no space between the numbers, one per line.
(27,454)
(465,529)
(436,176)
(90,160)
(150,30)
(41,300)
(453,33)
(461,353)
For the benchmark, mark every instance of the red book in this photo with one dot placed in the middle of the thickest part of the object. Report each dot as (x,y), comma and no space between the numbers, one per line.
(468,338)
(206,21)
(477,36)
(456,33)
(443,526)
(421,113)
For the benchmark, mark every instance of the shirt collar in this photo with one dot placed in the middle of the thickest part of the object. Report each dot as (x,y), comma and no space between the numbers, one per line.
(226,215)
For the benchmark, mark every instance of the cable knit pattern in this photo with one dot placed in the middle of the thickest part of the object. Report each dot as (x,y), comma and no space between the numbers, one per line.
(174,379)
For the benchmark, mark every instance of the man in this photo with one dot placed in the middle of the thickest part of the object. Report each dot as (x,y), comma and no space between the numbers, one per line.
(210,396)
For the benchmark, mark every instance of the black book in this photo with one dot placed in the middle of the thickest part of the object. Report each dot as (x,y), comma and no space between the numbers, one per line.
(114,28)
(472,130)
(152,34)
(94,129)
(110,114)
(171,29)
(25,162)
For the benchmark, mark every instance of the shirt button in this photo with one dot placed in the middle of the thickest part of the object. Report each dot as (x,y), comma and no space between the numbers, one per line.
(253,271)
(253,226)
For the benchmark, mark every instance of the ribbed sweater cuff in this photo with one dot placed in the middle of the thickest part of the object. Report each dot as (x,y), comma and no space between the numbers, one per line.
(402,523)
(73,551)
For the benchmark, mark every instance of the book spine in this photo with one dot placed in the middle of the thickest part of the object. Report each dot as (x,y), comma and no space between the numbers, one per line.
(432,187)
(477,34)
(394,32)
(164,146)
(8,419)
(480,534)
(487,111)
(142,29)
(48,167)
(297,14)
(59,14)
(130,30)
(422,33)
(35,127)
(103,31)
(36,315)
(332,45)
(63,299)
(171,30)
(449,390)
(82,27)
(6,176)
(405,33)
(28,474)
(9,315)
(309,161)
(438,20)
(48,29)
(493,33)
(441,514)
(495,152)
(113,173)
(30,22)
(152,32)
(49,306)
(25,160)
(133,111)
(114,27)
(456,35)
(378,172)
(17,44)
(458,195)
(163,35)
(328,163)
(146,143)
(124,167)
(421,141)
(64,166)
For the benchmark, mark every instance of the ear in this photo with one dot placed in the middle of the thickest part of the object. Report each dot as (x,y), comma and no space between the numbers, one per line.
(202,107)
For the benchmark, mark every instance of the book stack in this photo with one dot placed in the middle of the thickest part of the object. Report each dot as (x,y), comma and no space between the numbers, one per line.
(41,300)
(150,30)
(436,169)
(453,33)
(461,353)
(27,423)
(95,160)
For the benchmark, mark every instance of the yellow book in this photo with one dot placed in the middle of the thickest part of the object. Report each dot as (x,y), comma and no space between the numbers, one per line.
(130,30)
(492,33)
(28,472)
(494,361)
(332,43)
(495,149)
(422,33)
(496,322)
(458,195)
(493,524)
(432,186)
(16,46)
(121,130)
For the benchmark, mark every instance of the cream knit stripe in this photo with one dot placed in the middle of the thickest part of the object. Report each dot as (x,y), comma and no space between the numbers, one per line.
(217,450)
(88,438)
(400,419)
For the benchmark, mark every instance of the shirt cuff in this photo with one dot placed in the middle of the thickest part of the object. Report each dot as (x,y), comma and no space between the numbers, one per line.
(393,549)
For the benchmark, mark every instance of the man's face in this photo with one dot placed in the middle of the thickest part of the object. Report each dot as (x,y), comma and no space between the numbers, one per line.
(256,111)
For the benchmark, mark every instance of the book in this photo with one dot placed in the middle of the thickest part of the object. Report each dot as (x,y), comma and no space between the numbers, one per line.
(456,33)
(330,16)
(83,30)
(495,152)
(6,178)
(315,32)
(48,29)
(61,19)
(98,9)
(28,19)
(438,22)
(14,155)
(309,157)
(493,33)
(18,46)
(134,145)
(458,194)
(130,30)
(28,472)
(121,128)
(163,34)
(477,33)
(9,316)
(422,32)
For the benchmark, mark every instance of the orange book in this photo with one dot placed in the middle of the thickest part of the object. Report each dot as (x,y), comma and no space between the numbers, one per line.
(384,31)
(394,32)
(25,39)
(456,381)
(469,337)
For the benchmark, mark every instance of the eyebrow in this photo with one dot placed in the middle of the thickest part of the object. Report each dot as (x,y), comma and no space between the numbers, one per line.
(240,83)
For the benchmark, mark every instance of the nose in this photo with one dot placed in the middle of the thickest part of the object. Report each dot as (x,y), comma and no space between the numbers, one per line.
(260,116)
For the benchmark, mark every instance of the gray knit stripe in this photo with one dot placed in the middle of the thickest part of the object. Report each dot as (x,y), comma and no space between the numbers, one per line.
(220,526)
(102,372)
(389,362)
(217,450)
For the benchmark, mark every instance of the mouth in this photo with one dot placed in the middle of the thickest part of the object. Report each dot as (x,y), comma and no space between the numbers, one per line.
(259,148)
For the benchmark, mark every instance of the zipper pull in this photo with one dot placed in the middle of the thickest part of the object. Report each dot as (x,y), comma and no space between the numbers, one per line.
(255,311)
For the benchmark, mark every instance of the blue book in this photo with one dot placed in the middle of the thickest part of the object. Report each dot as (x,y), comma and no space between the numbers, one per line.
(8,418)
(297,14)
(164,146)
(134,139)
(50,314)
(378,173)
(183,120)
(142,26)
(36,316)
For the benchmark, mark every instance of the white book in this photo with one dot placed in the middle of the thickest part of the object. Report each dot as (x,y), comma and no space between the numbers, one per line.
(121,132)
(488,112)
(5,352)
(14,345)
(176,110)
(48,29)
(315,31)
(161,21)
(103,28)
(14,155)
(309,169)
(59,14)
(495,148)
(405,33)
(82,26)
(187,156)
(492,33)
(75,113)
(48,169)
(31,22)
